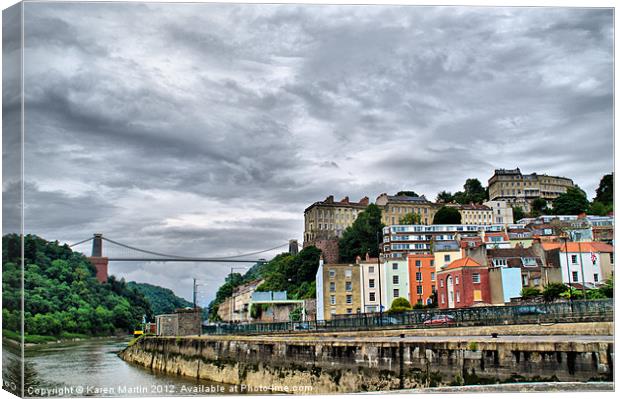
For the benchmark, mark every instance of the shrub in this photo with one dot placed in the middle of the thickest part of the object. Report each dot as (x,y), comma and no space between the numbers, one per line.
(553,291)
(529,292)
(400,305)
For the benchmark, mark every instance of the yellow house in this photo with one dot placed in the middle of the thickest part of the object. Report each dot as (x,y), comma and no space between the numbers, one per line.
(446,253)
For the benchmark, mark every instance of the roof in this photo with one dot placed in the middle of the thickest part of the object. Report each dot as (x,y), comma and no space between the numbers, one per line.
(405,198)
(578,246)
(329,201)
(475,207)
(463,262)
(514,256)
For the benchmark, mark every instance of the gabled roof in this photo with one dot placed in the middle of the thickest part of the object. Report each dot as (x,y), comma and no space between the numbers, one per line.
(463,262)
(576,246)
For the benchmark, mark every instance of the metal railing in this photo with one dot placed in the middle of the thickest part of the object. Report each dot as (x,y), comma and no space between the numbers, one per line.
(555,312)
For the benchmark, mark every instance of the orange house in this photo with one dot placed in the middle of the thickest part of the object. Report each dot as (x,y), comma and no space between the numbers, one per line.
(421,278)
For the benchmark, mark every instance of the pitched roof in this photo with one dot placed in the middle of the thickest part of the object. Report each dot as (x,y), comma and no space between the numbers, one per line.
(463,262)
(576,246)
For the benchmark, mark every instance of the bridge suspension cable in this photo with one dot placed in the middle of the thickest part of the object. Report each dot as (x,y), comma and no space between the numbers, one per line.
(231,258)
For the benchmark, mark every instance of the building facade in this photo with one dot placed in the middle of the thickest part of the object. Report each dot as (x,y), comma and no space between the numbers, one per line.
(372,284)
(396,281)
(463,283)
(422,278)
(502,212)
(338,290)
(402,240)
(395,207)
(326,220)
(476,214)
(519,189)
(584,263)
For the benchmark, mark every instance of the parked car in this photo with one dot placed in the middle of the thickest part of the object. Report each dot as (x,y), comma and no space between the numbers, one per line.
(439,320)
(302,326)
(529,310)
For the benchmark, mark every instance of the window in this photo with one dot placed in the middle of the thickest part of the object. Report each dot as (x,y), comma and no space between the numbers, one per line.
(475,278)
(396,293)
(596,277)
(395,279)
(432,276)
(394,266)
(456,280)
(348,273)
(529,262)
(371,269)
(371,296)
(349,311)
(434,289)
(332,273)
(349,299)
(419,290)
(458,296)
(432,262)
(418,276)
(332,311)
(575,276)
(446,258)
(418,263)
(499,262)
(348,286)
(573,259)
(443,298)
(371,283)
(332,299)
(332,287)
(441,283)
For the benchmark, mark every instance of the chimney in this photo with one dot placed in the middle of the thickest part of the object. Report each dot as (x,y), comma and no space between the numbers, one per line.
(345,200)
(330,199)
(364,201)
(358,260)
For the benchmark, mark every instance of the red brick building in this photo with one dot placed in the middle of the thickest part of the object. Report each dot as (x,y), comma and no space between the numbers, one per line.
(462,284)
(422,279)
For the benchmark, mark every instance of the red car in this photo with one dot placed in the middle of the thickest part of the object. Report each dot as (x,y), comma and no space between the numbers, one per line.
(439,320)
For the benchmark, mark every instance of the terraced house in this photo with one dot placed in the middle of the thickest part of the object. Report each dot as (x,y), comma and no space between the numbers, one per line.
(338,290)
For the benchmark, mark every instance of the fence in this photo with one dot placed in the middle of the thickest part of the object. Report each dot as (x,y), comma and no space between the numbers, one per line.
(556,312)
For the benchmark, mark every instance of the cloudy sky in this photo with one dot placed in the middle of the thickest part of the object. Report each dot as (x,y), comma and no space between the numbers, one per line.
(205,129)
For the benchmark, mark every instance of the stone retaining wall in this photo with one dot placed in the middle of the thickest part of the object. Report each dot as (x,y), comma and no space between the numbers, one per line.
(339,365)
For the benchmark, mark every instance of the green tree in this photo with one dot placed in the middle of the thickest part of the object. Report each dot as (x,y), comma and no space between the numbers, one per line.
(539,207)
(517,213)
(573,202)
(444,197)
(447,215)
(607,289)
(605,190)
(553,291)
(407,194)
(600,209)
(363,236)
(400,305)
(529,292)
(474,191)
(411,218)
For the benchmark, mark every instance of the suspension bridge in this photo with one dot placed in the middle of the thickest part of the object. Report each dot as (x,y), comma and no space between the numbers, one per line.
(128,253)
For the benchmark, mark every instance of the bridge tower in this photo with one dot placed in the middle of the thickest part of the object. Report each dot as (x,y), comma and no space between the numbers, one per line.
(98,260)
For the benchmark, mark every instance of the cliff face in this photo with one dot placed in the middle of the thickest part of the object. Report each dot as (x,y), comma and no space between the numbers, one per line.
(330,365)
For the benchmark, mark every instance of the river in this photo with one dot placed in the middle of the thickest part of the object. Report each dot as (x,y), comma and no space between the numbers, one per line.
(92,368)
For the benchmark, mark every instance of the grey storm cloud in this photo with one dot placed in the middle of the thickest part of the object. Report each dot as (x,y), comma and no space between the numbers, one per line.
(207,129)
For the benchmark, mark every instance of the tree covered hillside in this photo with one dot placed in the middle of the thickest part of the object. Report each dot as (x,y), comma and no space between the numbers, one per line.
(295,274)
(162,300)
(62,295)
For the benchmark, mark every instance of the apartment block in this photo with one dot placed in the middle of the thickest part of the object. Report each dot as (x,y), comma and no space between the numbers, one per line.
(327,220)
(476,214)
(395,207)
(519,189)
